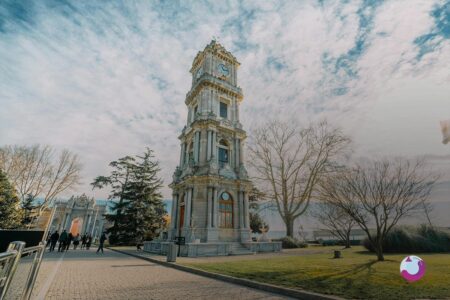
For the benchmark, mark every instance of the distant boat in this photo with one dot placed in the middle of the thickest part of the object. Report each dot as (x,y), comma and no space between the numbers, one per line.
(445,128)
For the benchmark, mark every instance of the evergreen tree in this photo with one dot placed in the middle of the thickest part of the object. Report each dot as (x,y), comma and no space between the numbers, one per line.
(139,210)
(118,181)
(28,210)
(10,213)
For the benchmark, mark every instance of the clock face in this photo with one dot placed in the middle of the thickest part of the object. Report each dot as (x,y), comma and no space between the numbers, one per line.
(223,70)
(225,196)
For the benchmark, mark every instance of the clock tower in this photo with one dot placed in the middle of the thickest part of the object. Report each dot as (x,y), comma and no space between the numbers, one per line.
(210,208)
(210,185)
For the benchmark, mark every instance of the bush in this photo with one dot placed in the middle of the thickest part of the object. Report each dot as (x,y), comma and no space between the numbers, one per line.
(423,239)
(290,243)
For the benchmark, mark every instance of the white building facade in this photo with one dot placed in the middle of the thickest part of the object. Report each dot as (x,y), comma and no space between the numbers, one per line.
(79,215)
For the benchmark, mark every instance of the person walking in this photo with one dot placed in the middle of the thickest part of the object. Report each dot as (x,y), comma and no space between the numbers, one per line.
(53,240)
(62,241)
(102,241)
(88,242)
(69,240)
(76,241)
(83,241)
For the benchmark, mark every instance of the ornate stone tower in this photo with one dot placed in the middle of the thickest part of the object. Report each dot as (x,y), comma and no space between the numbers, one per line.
(210,185)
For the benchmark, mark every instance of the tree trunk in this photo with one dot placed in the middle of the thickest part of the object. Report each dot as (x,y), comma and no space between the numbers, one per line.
(347,243)
(289,226)
(347,240)
(379,251)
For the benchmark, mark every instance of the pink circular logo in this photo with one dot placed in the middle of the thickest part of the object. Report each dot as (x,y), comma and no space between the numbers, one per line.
(412,268)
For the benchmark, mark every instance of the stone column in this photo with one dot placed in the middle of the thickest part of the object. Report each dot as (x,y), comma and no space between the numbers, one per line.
(241,209)
(235,110)
(63,223)
(66,224)
(236,212)
(215,207)
(209,207)
(186,153)
(208,146)
(237,152)
(241,151)
(189,116)
(88,223)
(212,229)
(202,141)
(182,154)
(174,209)
(196,142)
(246,213)
(214,146)
(86,220)
(187,208)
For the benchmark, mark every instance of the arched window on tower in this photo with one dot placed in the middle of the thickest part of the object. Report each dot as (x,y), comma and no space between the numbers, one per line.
(223,153)
(225,210)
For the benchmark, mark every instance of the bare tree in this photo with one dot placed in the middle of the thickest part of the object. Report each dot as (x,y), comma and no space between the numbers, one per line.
(335,221)
(378,194)
(288,161)
(36,172)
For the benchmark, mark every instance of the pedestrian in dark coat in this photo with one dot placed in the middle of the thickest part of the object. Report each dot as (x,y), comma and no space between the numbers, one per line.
(69,240)
(88,242)
(53,240)
(83,241)
(62,241)
(102,241)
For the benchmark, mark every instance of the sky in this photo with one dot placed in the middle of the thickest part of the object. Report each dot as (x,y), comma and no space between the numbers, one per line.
(107,79)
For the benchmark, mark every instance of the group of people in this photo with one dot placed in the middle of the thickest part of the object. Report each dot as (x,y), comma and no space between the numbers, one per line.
(66,239)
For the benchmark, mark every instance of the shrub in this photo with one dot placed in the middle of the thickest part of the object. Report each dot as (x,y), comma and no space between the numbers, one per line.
(423,239)
(289,243)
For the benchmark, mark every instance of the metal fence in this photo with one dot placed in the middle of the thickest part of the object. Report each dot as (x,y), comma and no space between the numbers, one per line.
(9,262)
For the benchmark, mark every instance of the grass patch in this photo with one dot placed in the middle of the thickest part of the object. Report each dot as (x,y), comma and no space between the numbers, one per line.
(356,275)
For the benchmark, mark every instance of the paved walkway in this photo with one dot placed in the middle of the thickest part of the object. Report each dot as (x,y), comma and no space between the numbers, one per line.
(84,274)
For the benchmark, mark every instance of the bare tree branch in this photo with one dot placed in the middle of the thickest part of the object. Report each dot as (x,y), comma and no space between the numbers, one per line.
(287,162)
(379,193)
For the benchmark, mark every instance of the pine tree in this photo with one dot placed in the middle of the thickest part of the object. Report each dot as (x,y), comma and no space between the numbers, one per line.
(10,213)
(145,209)
(138,207)
(28,210)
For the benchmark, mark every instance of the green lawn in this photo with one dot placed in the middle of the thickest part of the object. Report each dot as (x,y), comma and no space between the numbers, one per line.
(356,275)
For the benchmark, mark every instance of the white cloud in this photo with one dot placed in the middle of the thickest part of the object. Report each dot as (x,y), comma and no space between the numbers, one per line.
(107,80)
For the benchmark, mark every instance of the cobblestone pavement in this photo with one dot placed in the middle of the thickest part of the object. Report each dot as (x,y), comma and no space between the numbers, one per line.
(84,274)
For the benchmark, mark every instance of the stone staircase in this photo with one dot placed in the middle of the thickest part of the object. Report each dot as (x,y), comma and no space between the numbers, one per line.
(239,249)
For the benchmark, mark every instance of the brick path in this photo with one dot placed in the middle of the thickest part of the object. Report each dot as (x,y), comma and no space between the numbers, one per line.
(86,275)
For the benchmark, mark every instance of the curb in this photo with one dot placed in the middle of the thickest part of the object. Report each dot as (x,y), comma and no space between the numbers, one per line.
(299,294)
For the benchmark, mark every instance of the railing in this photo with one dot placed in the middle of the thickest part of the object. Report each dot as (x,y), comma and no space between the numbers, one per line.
(9,261)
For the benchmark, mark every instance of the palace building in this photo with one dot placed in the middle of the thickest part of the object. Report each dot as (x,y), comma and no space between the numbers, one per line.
(210,186)
(79,215)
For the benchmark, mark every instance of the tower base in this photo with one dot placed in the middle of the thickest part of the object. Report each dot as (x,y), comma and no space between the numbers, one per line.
(214,248)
